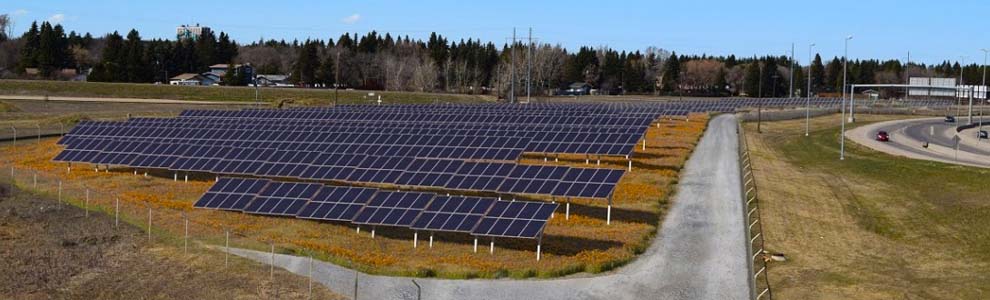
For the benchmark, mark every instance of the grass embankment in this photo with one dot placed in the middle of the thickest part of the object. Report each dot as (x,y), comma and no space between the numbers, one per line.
(873,226)
(221,93)
(60,252)
(582,244)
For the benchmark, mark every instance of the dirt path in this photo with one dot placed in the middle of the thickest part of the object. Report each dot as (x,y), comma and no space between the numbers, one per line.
(700,252)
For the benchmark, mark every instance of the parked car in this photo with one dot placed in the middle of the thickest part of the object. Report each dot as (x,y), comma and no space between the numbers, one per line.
(950,119)
(983,135)
(883,136)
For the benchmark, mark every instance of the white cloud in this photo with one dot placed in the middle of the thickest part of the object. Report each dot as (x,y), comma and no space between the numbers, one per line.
(20,12)
(351,19)
(56,18)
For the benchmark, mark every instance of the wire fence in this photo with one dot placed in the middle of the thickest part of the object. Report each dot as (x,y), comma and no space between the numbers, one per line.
(163,226)
(756,247)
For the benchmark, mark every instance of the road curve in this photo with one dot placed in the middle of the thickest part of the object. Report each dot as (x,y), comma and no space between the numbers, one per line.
(908,136)
(700,252)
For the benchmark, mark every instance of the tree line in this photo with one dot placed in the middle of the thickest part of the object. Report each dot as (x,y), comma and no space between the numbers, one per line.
(384,62)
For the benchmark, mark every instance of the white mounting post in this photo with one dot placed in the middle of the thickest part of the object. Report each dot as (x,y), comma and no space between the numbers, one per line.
(475,244)
(567,209)
(359,229)
(187,177)
(415,238)
(175,176)
(372,232)
(608,214)
(644,143)
(491,248)
(539,244)
(431,239)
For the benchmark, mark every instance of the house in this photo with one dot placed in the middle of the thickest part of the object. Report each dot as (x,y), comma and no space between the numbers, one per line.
(190,79)
(221,69)
(273,80)
(578,88)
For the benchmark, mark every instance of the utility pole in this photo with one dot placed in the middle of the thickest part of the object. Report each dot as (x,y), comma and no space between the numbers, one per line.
(845,61)
(807,108)
(529,63)
(336,77)
(791,94)
(512,68)
(907,77)
(983,85)
(962,66)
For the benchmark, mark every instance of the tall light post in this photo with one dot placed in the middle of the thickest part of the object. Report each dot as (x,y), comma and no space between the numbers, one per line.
(845,61)
(983,85)
(807,109)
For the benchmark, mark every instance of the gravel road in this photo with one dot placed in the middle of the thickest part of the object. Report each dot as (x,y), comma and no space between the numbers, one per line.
(700,252)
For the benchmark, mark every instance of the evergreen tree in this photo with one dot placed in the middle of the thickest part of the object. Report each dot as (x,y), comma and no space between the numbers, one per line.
(671,74)
(721,86)
(135,66)
(325,73)
(817,75)
(29,52)
(304,71)
(751,84)
(833,76)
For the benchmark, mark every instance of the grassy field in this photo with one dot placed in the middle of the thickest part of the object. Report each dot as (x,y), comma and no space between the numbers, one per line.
(60,252)
(873,226)
(581,244)
(218,93)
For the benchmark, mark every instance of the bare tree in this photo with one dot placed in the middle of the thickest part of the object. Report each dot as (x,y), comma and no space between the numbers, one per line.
(425,76)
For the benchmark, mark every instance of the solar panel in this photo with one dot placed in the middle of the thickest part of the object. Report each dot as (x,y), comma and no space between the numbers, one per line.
(518,219)
(393,208)
(282,198)
(453,213)
(336,203)
(231,193)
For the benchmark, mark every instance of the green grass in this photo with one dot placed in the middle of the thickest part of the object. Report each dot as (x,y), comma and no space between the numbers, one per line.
(872,226)
(949,203)
(217,93)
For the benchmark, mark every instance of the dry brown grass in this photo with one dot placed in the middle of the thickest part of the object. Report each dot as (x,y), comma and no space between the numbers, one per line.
(871,227)
(57,252)
(582,244)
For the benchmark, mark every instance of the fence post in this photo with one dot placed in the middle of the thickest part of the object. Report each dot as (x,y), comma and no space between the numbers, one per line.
(226,247)
(271,269)
(86,206)
(35,184)
(185,239)
(149,223)
(59,193)
(116,212)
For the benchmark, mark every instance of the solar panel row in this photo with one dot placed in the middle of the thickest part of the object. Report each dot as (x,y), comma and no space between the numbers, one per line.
(367,206)
(309,165)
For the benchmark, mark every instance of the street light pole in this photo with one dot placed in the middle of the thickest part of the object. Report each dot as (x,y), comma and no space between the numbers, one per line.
(842,132)
(983,85)
(791,84)
(807,109)
(845,61)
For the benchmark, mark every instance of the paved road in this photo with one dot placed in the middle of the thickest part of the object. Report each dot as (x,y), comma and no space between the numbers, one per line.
(907,136)
(700,252)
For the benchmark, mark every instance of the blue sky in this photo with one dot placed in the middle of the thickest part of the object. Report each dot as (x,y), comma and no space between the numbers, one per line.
(931,30)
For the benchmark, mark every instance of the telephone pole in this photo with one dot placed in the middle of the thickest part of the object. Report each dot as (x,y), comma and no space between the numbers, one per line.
(336,77)
(791,94)
(512,68)
(529,63)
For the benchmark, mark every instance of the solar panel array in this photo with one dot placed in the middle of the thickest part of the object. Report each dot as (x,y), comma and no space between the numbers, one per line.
(453,147)
(368,206)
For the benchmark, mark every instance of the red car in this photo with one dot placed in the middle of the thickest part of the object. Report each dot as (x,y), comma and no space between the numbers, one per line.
(883,136)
